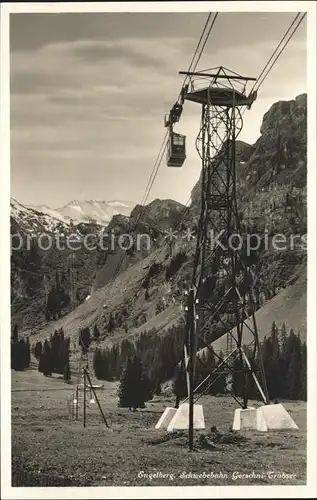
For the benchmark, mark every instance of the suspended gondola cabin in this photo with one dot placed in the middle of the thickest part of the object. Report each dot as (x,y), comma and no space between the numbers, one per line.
(176,150)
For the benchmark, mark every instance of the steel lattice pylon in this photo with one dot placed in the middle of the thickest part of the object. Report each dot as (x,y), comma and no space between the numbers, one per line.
(222,276)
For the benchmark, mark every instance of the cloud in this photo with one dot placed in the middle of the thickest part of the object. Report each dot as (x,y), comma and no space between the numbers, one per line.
(54,87)
(93,52)
(86,105)
(30,32)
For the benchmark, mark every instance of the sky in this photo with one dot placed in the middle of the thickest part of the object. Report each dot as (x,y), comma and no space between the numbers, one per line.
(89,92)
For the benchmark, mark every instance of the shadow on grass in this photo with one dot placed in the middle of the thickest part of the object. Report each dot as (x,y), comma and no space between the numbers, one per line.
(208,440)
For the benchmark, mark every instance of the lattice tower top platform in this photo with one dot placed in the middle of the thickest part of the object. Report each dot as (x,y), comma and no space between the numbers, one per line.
(219,87)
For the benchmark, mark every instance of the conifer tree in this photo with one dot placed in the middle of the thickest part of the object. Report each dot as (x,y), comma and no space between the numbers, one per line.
(27,353)
(294,367)
(66,374)
(272,363)
(38,349)
(65,357)
(179,384)
(15,333)
(219,386)
(58,294)
(97,360)
(110,323)
(84,339)
(101,365)
(45,364)
(275,341)
(303,380)
(96,333)
(19,355)
(283,361)
(41,363)
(14,344)
(238,377)
(134,389)
(283,333)
(127,387)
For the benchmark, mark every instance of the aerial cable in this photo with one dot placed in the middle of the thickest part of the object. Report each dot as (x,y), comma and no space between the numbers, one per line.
(190,68)
(156,166)
(275,56)
(260,80)
(164,144)
(274,52)
(196,51)
(206,39)
(160,156)
(264,75)
(163,147)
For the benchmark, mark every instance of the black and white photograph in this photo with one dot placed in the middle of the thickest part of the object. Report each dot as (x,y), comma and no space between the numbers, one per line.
(158,220)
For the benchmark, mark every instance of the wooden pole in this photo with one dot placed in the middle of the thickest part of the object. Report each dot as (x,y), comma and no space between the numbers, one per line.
(191,368)
(96,398)
(84,398)
(77,402)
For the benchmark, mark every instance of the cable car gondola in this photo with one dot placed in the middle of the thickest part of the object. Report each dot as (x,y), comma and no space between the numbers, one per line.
(176,147)
(176,150)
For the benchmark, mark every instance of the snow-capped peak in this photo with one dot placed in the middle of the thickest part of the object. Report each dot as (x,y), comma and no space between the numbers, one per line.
(100,212)
(34,220)
(42,217)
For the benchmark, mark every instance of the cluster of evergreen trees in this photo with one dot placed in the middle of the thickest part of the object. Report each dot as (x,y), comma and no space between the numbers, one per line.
(158,354)
(58,298)
(153,271)
(54,355)
(175,264)
(107,363)
(135,387)
(84,339)
(285,365)
(30,260)
(284,358)
(20,351)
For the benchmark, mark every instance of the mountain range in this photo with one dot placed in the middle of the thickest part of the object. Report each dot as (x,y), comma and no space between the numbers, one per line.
(271,194)
(99,212)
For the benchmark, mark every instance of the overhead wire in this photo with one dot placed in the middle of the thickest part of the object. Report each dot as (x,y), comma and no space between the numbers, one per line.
(163,146)
(206,39)
(198,52)
(164,143)
(264,75)
(259,82)
(272,61)
(276,55)
(190,68)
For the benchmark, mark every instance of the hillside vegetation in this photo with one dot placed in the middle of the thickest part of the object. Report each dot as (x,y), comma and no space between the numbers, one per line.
(146,295)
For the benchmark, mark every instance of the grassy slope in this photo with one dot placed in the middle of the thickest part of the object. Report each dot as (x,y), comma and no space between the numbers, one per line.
(48,449)
(86,314)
